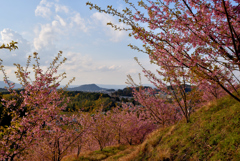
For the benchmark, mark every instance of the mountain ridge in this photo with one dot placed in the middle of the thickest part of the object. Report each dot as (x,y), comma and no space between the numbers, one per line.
(3,84)
(87,87)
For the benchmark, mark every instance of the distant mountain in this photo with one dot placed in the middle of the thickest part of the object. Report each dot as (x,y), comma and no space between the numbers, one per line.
(3,84)
(87,87)
(70,86)
(116,87)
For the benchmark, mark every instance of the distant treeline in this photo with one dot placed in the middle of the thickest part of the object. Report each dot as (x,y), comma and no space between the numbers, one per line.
(90,101)
(127,91)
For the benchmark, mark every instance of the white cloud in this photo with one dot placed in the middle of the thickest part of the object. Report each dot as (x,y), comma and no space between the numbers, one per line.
(103,19)
(64,25)
(46,3)
(43,11)
(76,21)
(77,62)
(105,68)
(60,19)
(61,8)
(8,35)
(46,37)
(132,71)
(20,54)
(55,23)
(79,22)
(83,63)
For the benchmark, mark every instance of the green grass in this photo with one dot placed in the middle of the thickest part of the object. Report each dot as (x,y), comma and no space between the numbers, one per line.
(213,134)
(101,155)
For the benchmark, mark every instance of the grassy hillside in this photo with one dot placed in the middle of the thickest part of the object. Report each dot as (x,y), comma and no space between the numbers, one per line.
(213,134)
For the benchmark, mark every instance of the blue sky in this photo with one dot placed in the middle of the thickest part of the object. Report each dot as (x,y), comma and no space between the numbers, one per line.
(96,53)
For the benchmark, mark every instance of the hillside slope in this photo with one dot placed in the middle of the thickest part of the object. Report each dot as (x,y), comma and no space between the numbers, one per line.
(213,134)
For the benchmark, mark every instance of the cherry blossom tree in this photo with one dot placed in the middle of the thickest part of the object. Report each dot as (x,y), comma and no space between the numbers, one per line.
(135,124)
(203,37)
(36,108)
(100,130)
(178,93)
(211,92)
(121,125)
(56,142)
(157,107)
(129,124)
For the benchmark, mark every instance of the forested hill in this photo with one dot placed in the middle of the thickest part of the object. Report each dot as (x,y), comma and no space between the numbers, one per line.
(87,87)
